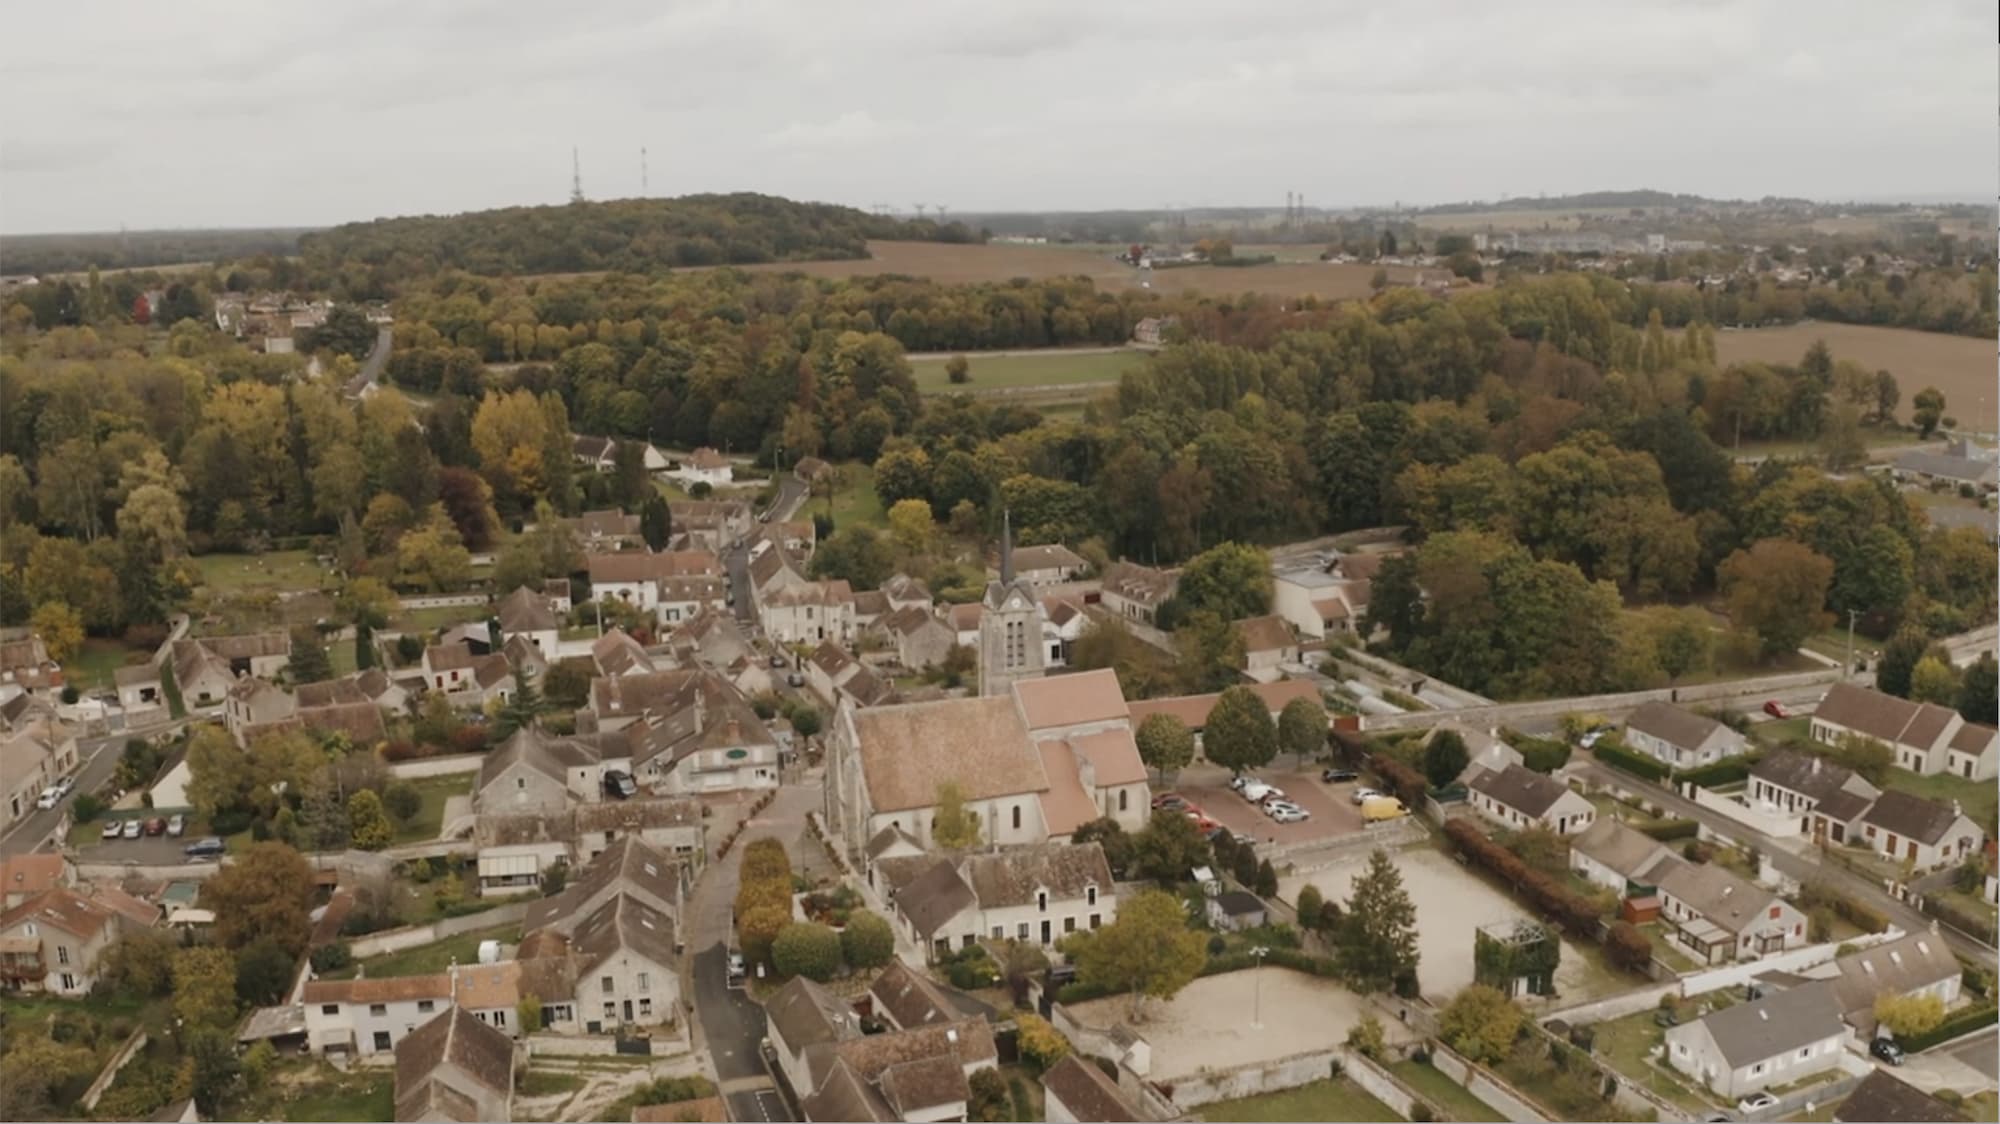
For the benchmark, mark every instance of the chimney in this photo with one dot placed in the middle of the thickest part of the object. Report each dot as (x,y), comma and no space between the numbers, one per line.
(1815,764)
(1955,809)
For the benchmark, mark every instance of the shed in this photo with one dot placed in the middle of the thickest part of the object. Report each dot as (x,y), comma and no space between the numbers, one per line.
(1234,910)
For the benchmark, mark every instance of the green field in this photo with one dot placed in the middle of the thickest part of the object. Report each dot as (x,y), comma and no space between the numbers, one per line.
(1007,371)
(275,571)
(855,503)
(1979,799)
(426,959)
(430,620)
(94,665)
(1321,1100)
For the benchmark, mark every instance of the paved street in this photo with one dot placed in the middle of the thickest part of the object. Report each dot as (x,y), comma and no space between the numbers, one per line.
(1981,1052)
(100,759)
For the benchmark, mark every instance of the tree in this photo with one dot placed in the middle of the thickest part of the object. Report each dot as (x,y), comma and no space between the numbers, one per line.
(806,948)
(1683,642)
(345,332)
(1147,951)
(1777,589)
(1445,758)
(1887,394)
(216,1071)
(910,524)
(1900,656)
(867,941)
(958,370)
(1308,906)
(522,710)
(1166,745)
(1377,947)
(757,930)
(1868,757)
(1979,694)
(1365,1037)
(1042,1045)
(1168,847)
(140,964)
(656,522)
(1118,846)
(1302,728)
(1626,947)
(1378,280)
(1840,444)
(1933,681)
(33,1067)
(529,1013)
(1909,1015)
(955,827)
(205,986)
(61,630)
(263,973)
(1927,410)
(431,556)
(1265,885)
(266,892)
(402,801)
(1239,734)
(989,1102)
(1481,1024)
(309,662)
(1232,580)
(367,824)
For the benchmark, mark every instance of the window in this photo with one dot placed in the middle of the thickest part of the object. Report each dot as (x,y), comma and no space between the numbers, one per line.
(1757,1069)
(645,1008)
(381,1040)
(610,1010)
(605,985)
(997,931)
(643,984)
(1123,794)
(499,1018)
(62,954)
(329,1008)
(28,929)
(378,1009)
(1090,895)
(1096,919)
(1774,911)
(1680,1050)
(1041,901)
(68,982)
(1069,924)
(1017,817)
(1023,931)
(520,782)
(1806,1053)
(425,1006)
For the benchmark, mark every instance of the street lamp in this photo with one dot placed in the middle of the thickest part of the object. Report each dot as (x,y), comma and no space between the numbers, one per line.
(1258,953)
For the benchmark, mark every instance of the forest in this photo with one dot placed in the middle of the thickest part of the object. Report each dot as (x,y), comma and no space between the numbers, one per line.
(40,254)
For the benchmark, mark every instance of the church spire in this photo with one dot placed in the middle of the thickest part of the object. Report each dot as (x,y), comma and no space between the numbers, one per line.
(1006,548)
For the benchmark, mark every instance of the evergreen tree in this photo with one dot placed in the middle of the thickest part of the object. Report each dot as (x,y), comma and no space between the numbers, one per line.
(656,522)
(524,709)
(1377,947)
(1979,693)
(1445,758)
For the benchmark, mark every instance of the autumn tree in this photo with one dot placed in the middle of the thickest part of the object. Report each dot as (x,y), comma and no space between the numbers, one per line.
(910,523)
(266,892)
(1933,681)
(1239,734)
(1909,1015)
(867,941)
(957,370)
(1481,1024)
(1682,641)
(1166,745)
(1148,950)
(205,986)
(61,629)
(368,824)
(1777,589)
(1232,580)
(1927,410)
(1376,949)
(955,827)
(1302,728)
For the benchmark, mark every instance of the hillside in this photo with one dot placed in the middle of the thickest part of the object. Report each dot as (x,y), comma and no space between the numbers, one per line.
(138,249)
(627,234)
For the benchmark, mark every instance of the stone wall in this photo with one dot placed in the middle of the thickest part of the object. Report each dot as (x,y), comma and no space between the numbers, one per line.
(395,940)
(1207,1087)
(1507,1100)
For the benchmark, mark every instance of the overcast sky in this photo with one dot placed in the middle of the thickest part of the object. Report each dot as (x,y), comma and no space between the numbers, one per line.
(198,113)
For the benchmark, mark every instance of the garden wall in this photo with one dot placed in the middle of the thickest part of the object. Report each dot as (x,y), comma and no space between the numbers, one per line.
(437,766)
(1777,825)
(1208,1086)
(1511,1103)
(1379,1083)
(1484,716)
(109,1074)
(396,940)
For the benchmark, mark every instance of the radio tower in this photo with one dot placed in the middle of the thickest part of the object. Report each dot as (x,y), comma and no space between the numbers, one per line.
(575,176)
(642,171)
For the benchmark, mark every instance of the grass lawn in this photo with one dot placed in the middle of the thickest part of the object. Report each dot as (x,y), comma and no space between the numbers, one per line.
(426,959)
(340,655)
(1623,1043)
(855,503)
(544,1083)
(993,372)
(100,657)
(428,620)
(368,1094)
(277,570)
(1321,1100)
(1444,1093)
(429,819)
(1980,799)
(1778,731)
(1666,951)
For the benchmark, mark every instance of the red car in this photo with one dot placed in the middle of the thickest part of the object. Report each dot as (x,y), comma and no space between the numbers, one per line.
(1776,709)
(156,826)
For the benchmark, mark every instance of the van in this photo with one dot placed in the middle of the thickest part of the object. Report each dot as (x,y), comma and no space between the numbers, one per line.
(1377,808)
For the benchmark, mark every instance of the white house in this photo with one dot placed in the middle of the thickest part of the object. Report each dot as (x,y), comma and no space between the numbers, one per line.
(1914,964)
(1923,833)
(1319,604)
(1615,856)
(1925,738)
(1268,643)
(526,613)
(1777,1040)
(1520,798)
(634,577)
(1037,894)
(139,687)
(1136,592)
(1718,916)
(808,612)
(362,1017)
(704,466)
(1680,738)
(51,942)
(1826,797)
(1053,564)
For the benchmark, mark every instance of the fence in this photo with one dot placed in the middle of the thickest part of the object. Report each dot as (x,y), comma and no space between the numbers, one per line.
(109,1074)
(1306,855)
(663,1042)
(1504,1098)
(1823,1093)
(395,940)
(442,600)
(1500,715)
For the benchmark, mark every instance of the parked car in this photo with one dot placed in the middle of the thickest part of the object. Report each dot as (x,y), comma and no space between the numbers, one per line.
(778,661)
(1274,794)
(1339,776)
(1378,808)
(1254,791)
(1666,1016)
(132,829)
(619,783)
(1887,1050)
(209,848)
(795,679)
(1201,822)
(112,829)
(1756,1102)
(1776,709)
(156,826)
(48,798)
(1277,806)
(1170,800)
(1361,794)
(176,824)
(736,969)
(1591,738)
(1291,813)
(64,786)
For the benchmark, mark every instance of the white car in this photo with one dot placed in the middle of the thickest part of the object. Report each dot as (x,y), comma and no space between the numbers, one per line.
(1255,791)
(1290,813)
(1590,739)
(1277,807)
(111,829)
(1756,1102)
(133,828)
(64,787)
(1363,792)
(48,798)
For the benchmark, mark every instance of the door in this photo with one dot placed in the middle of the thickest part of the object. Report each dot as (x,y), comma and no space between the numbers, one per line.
(628,1010)
(1045,932)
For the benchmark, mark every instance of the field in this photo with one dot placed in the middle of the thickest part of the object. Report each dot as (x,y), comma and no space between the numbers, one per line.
(954,264)
(426,959)
(99,659)
(855,503)
(1960,366)
(992,371)
(274,572)
(1321,1100)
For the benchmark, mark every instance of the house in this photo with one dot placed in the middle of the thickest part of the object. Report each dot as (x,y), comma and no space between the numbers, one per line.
(1520,798)
(1925,738)
(31,875)
(615,653)
(1777,1040)
(609,530)
(841,1074)
(1617,857)
(711,525)
(370,686)
(363,1017)
(1053,564)
(535,773)
(51,942)
(635,577)
(1136,592)
(455,1067)
(466,679)
(918,637)
(964,622)
(1193,710)
(263,654)
(829,668)
(627,968)
(905,998)
(703,466)
(904,592)
(1076,1091)
(515,850)
(1036,894)
(1914,964)
(808,612)
(1953,467)
(1152,331)
(595,453)
(1267,643)
(1882,1099)
(1035,764)
(25,667)
(685,731)
(685,598)
(1483,751)
(1064,622)
(798,538)
(526,613)
(803,1015)
(1233,910)
(1719,916)
(139,687)
(812,470)
(202,677)
(1924,834)
(32,759)
(714,640)
(1319,604)
(670,824)
(253,702)
(1828,798)
(1680,738)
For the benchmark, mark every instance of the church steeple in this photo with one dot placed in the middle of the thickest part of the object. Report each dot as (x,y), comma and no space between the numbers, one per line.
(1010,624)
(1007,548)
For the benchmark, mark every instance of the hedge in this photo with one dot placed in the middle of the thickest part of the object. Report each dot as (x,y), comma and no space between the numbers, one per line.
(1964,1022)
(1666,830)
(1864,917)
(1729,770)
(1549,896)
(1239,961)
(1408,784)
(1630,761)
(1541,755)
(1942,908)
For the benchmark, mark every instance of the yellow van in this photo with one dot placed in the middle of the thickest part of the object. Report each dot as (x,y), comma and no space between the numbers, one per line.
(1377,808)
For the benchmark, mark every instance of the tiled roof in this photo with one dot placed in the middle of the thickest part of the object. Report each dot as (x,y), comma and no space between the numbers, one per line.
(484,986)
(1716,894)
(1113,756)
(1011,878)
(924,1083)
(1193,710)
(1059,701)
(457,1038)
(1065,805)
(1053,556)
(843,1095)
(1897,967)
(1884,1099)
(1776,1024)
(617,654)
(803,1013)
(1883,717)
(1804,773)
(934,897)
(1677,727)
(1523,790)
(1630,853)
(60,909)
(911,998)
(525,610)
(1912,817)
(983,744)
(382,989)
(448,657)
(1090,1096)
(1140,583)
(1265,634)
(343,690)
(31,873)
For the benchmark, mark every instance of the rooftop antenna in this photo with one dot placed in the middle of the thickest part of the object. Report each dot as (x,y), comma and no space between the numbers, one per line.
(642,171)
(575,176)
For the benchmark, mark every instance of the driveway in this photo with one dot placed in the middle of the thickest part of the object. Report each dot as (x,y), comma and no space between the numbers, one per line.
(1332,814)
(1979,1053)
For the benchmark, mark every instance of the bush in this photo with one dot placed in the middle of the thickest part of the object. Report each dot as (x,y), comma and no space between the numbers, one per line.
(402,801)
(1668,830)
(1618,756)
(86,808)
(1041,1045)
(1963,1022)
(1695,851)
(1864,917)
(867,942)
(989,1096)
(1729,770)
(409,647)
(1626,947)
(331,957)
(1309,905)
(1405,782)
(1365,1037)
(972,969)
(1542,755)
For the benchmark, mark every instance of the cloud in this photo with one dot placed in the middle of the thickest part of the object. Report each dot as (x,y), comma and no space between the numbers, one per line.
(854,128)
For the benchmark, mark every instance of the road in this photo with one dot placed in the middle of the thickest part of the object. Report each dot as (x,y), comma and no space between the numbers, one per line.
(1793,687)
(371,369)
(100,760)
(1979,1052)
(1804,867)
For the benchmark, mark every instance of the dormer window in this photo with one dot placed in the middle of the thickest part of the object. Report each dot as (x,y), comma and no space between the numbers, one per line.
(1090,895)
(1042,900)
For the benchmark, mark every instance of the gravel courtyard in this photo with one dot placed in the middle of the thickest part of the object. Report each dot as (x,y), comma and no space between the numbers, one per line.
(1451,904)
(1207,1026)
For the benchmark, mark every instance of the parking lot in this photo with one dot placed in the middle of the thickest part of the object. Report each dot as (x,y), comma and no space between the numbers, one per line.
(1332,813)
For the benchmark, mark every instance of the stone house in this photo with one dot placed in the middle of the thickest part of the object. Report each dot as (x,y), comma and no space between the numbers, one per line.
(1037,894)
(455,1067)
